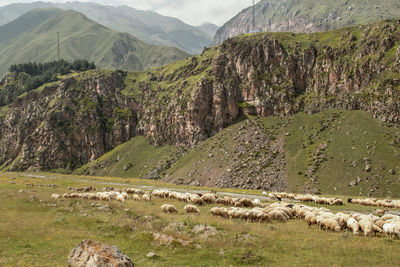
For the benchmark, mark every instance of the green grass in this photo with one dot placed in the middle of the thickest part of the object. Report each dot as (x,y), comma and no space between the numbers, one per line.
(32,234)
(347,134)
(137,154)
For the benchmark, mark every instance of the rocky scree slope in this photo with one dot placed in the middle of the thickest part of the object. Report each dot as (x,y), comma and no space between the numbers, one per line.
(77,119)
(303,16)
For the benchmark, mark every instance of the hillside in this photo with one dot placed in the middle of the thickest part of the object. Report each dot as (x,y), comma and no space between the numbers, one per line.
(209,28)
(303,16)
(148,26)
(244,101)
(33,37)
(322,153)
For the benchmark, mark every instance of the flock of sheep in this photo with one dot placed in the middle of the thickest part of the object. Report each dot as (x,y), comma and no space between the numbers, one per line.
(384,203)
(305,198)
(322,217)
(255,210)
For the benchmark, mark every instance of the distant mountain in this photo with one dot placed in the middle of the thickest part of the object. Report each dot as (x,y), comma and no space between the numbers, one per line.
(148,26)
(33,37)
(209,28)
(308,16)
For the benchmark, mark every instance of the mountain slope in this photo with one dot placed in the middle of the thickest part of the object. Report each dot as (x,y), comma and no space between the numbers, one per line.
(307,16)
(209,28)
(238,110)
(323,153)
(148,26)
(33,37)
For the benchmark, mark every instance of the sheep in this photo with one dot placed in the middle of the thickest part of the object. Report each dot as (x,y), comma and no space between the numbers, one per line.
(134,191)
(217,211)
(392,229)
(342,218)
(136,197)
(353,225)
(245,202)
(166,208)
(191,209)
(146,197)
(367,225)
(330,224)
(208,198)
(310,218)
(278,215)
(120,197)
(55,196)
(257,203)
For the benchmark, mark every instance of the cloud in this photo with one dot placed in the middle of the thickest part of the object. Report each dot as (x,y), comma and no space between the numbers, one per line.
(194,12)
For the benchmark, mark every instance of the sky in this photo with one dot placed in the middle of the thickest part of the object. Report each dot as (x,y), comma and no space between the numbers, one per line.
(194,12)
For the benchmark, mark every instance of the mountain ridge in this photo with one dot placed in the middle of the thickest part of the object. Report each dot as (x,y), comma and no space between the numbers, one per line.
(148,26)
(304,16)
(80,38)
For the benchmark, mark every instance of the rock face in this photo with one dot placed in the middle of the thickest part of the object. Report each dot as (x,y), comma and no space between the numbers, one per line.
(79,118)
(303,16)
(95,254)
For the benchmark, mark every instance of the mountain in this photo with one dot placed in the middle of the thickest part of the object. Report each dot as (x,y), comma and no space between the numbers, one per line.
(148,26)
(33,37)
(315,112)
(209,28)
(304,16)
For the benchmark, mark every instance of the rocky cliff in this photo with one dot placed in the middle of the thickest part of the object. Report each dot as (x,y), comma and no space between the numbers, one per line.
(77,119)
(303,16)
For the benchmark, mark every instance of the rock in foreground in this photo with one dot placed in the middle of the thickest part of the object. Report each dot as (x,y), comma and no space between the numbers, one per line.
(95,254)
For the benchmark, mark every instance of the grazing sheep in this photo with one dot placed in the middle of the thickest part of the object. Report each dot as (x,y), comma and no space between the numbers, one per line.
(120,197)
(208,198)
(166,208)
(353,225)
(257,203)
(310,218)
(55,196)
(136,197)
(392,229)
(146,197)
(134,191)
(367,225)
(191,209)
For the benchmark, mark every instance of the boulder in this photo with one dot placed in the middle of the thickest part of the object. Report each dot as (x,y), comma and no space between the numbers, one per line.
(95,254)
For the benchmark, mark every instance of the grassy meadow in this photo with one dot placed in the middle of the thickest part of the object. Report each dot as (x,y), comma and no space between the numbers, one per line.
(35,233)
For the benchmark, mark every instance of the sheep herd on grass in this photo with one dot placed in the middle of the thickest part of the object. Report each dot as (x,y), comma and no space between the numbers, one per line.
(105,196)
(305,198)
(375,202)
(321,217)
(256,211)
(208,198)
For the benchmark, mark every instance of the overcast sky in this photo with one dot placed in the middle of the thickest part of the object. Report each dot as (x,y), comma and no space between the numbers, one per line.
(194,12)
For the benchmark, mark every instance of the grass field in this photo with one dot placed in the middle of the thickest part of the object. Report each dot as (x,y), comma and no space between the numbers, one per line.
(34,234)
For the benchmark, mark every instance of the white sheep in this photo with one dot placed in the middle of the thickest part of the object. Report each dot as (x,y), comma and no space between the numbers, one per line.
(146,197)
(55,196)
(191,209)
(166,208)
